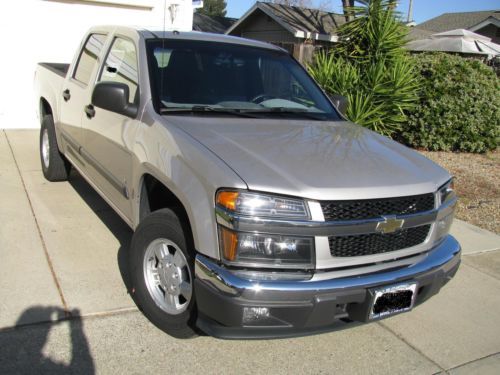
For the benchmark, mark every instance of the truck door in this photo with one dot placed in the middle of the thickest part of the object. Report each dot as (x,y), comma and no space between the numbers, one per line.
(108,136)
(75,93)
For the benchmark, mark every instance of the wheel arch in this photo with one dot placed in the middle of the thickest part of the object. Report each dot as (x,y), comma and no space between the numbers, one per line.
(45,108)
(155,195)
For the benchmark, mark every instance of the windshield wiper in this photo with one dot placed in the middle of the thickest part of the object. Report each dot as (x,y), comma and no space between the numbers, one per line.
(208,109)
(293,111)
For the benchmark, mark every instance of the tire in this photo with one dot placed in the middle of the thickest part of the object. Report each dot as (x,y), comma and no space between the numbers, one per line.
(55,166)
(162,274)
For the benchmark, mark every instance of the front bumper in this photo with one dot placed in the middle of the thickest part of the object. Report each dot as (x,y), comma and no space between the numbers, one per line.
(228,305)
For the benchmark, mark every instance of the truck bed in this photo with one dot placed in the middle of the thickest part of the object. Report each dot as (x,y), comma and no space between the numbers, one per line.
(57,68)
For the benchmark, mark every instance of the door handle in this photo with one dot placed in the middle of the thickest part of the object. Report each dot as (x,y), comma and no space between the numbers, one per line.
(66,95)
(90,111)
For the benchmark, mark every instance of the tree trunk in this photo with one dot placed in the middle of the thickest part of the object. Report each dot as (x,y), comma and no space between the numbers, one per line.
(346,4)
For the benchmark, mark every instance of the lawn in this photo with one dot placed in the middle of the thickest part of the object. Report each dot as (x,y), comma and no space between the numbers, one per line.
(477,182)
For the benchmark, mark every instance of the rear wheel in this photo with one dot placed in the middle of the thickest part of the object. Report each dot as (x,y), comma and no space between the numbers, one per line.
(55,166)
(162,274)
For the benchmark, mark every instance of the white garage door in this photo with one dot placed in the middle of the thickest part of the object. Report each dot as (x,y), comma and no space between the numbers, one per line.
(33,31)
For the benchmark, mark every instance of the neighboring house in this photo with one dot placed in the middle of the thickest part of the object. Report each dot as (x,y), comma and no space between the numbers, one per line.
(296,29)
(212,24)
(486,23)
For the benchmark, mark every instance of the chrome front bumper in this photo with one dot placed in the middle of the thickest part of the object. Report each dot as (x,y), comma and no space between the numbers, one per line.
(301,307)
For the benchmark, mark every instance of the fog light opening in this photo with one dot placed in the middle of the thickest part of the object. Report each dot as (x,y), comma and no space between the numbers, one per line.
(255,314)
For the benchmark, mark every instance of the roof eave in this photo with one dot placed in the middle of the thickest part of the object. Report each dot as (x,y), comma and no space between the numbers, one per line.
(262,8)
(316,36)
(486,22)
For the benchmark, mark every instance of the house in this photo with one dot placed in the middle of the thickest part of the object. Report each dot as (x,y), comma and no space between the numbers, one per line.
(298,30)
(212,24)
(486,23)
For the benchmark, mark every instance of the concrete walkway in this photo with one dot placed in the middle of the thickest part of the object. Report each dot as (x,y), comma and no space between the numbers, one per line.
(64,305)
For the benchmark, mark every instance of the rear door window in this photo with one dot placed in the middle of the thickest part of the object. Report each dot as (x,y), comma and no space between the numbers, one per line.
(88,58)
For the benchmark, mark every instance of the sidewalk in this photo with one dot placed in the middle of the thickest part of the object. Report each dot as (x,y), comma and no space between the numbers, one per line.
(62,250)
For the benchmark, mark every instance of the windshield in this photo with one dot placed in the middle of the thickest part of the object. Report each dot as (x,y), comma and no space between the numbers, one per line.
(218,78)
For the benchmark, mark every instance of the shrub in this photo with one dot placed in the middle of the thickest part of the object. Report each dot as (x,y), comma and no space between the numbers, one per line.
(371,68)
(459,106)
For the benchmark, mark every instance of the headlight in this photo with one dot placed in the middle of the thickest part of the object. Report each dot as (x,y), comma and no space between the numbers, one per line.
(445,195)
(262,205)
(266,250)
(443,227)
(446,192)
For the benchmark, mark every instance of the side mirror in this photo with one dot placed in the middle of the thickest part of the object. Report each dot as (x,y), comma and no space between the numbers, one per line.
(340,102)
(113,96)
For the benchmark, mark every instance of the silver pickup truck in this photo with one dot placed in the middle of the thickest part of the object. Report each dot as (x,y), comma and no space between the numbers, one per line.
(257,209)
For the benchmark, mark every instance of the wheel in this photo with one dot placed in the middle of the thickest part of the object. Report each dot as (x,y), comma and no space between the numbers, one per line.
(161,270)
(55,166)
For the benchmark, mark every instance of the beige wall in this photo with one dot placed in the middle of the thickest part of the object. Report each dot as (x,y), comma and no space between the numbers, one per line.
(260,26)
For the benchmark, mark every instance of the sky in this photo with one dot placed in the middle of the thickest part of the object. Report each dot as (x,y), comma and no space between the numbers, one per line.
(422,9)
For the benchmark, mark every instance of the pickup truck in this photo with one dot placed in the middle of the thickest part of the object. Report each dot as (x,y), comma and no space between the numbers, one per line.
(258,210)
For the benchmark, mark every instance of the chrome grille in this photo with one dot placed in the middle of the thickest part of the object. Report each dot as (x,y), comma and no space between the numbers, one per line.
(374,208)
(377,243)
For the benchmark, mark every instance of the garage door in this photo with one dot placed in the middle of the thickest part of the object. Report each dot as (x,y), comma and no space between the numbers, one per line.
(33,31)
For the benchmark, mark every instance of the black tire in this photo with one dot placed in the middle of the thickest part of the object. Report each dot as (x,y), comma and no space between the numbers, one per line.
(56,167)
(161,224)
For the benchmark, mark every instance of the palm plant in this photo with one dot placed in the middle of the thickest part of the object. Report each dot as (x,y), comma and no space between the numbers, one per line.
(371,68)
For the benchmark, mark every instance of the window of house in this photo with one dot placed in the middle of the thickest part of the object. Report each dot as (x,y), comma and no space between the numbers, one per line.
(88,58)
(121,66)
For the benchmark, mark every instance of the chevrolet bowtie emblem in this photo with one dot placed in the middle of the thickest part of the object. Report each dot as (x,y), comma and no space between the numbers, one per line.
(389,225)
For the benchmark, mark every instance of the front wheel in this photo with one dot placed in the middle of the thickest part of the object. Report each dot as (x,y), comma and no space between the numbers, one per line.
(162,274)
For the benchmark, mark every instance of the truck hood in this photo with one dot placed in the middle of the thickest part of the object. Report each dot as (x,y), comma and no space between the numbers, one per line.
(314,159)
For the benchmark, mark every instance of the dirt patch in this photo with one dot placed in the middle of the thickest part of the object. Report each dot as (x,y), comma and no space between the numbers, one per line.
(477,182)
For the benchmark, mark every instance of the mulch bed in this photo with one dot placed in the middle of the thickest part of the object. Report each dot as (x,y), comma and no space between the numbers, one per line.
(477,183)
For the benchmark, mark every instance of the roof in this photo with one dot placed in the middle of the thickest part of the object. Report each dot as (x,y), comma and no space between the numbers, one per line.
(156,32)
(211,24)
(459,40)
(301,22)
(463,20)
(462,33)
(415,33)
(206,37)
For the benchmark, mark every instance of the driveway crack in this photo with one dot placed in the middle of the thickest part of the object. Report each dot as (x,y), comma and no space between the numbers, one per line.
(400,337)
(44,246)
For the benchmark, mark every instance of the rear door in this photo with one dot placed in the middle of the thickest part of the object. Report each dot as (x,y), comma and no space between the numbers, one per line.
(106,134)
(76,92)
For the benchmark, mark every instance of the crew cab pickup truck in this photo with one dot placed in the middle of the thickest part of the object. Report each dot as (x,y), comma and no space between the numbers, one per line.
(258,210)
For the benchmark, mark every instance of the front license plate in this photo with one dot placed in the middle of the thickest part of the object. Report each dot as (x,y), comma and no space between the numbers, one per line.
(393,299)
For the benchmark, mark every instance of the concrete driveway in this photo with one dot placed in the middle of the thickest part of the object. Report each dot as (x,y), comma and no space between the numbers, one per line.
(64,305)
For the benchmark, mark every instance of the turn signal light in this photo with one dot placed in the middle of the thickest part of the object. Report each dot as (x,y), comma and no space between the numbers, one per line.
(228,199)
(229,242)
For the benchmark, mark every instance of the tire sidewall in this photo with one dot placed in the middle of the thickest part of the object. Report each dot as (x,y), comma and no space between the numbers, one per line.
(160,224)
(47,125)
(59,167)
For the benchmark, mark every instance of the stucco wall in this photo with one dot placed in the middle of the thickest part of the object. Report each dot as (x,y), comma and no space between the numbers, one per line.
(50,31)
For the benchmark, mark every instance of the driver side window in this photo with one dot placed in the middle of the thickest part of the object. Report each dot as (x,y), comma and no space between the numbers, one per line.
(121,66)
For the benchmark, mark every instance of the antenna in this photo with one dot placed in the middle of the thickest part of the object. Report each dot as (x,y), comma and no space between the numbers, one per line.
(162,72)
(177,14)
(410,12)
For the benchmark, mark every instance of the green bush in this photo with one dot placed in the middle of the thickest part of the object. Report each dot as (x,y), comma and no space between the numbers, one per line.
(459,107)
(370,67)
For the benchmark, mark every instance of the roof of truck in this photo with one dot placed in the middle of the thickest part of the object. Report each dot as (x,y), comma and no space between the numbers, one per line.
(155,32)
